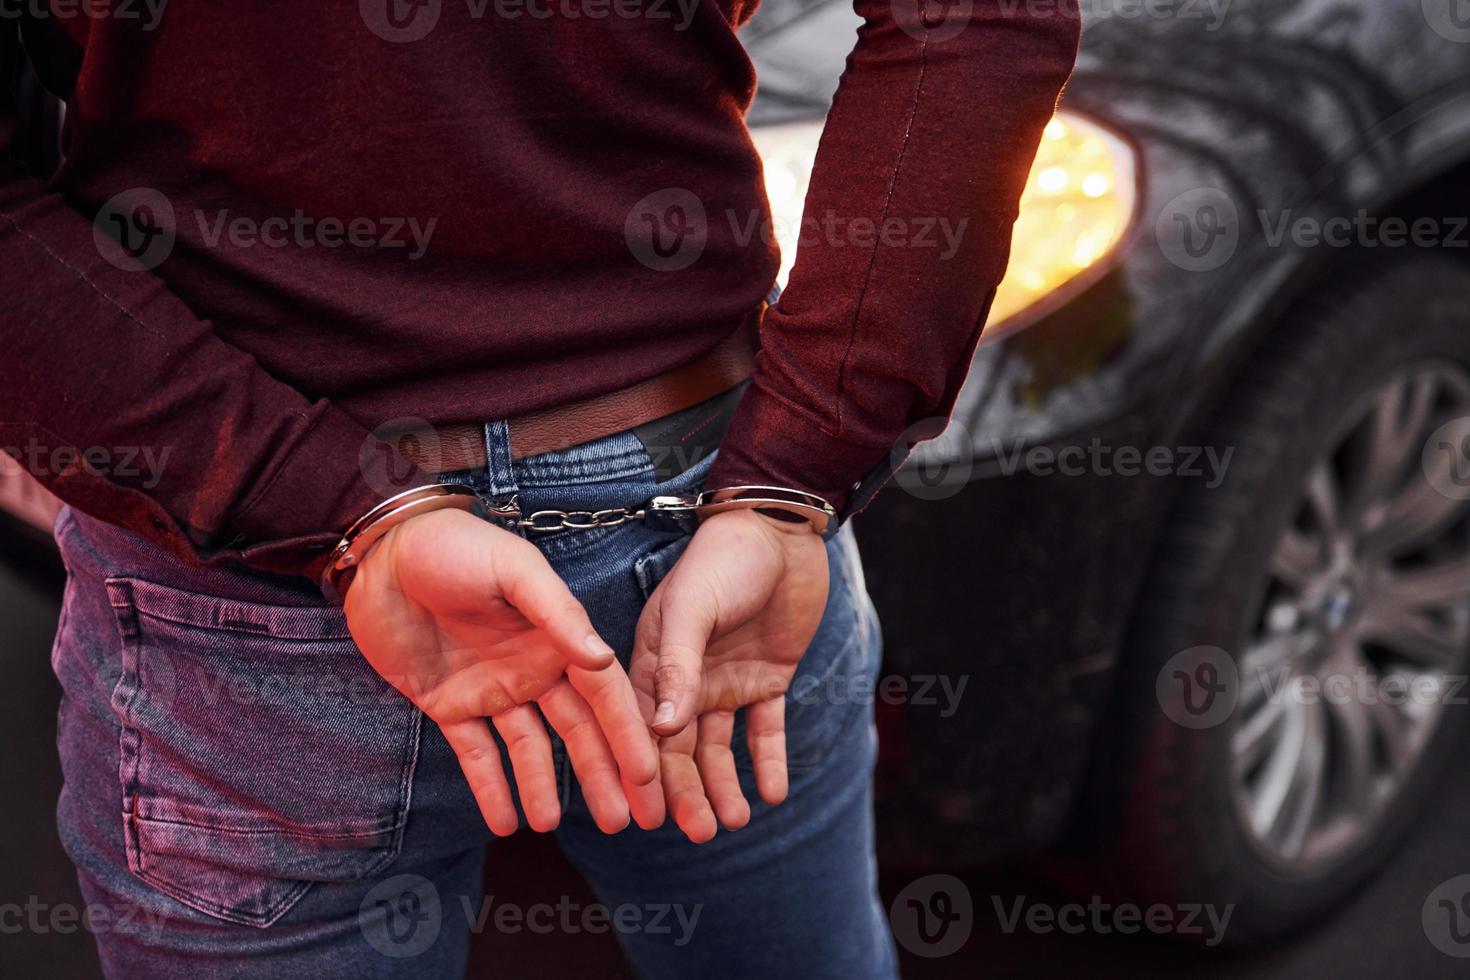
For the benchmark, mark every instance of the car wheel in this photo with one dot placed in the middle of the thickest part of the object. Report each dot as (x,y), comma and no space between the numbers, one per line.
(1295,675)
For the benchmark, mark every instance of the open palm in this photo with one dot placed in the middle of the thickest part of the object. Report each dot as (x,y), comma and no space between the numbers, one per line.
(471,623)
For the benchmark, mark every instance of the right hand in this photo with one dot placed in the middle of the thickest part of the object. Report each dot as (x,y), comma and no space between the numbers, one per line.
(470,622)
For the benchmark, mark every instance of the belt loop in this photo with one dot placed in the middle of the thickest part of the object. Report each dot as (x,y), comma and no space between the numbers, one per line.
(499,475)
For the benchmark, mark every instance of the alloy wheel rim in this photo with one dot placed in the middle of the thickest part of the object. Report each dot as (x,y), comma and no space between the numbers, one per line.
(1363,629)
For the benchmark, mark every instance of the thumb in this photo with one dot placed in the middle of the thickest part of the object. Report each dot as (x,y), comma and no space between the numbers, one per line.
(538,593)
(678,678)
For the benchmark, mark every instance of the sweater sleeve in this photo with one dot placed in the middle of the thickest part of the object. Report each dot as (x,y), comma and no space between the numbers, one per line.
(130,408)
(905,237)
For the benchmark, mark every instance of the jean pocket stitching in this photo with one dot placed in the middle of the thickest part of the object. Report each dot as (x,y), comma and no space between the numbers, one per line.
(269,916)
(130,684)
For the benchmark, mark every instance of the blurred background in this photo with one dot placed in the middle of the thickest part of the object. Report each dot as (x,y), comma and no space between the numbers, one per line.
(1177,608)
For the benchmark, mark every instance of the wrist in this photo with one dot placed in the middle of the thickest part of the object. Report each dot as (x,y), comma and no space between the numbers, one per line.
(804,512)
(378,523)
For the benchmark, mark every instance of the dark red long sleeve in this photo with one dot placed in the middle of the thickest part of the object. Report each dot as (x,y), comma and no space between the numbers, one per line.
(127,405)
(931,135)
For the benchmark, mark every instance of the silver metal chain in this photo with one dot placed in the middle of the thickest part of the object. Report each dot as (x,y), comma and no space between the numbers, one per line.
(668,513)
(509,513)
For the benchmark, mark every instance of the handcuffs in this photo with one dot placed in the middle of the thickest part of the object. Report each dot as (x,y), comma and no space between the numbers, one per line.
(671,513)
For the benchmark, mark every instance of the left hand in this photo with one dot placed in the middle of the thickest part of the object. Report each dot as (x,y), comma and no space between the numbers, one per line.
(725,630)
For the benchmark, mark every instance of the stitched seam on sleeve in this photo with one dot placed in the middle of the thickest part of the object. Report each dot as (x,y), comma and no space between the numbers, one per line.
(84,278)
(873,257)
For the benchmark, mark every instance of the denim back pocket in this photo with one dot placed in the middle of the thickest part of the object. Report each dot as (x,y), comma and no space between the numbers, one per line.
(259,750)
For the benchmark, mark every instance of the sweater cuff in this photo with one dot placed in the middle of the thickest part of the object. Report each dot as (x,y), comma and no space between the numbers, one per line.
(335,474)
(771,443)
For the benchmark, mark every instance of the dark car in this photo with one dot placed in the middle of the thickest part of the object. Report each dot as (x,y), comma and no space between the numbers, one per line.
(1180,600)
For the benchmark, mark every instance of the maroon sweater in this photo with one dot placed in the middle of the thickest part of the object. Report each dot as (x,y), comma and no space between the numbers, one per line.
(367,226)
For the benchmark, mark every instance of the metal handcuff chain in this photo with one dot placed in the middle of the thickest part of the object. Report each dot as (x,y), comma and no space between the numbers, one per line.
(669,512)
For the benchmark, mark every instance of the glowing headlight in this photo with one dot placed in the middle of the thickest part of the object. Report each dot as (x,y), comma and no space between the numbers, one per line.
(1078,204)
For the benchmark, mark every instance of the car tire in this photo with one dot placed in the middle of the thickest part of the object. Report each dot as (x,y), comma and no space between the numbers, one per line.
(1181,818)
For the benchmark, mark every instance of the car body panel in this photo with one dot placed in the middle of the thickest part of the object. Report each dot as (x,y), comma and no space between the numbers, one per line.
(1022,582)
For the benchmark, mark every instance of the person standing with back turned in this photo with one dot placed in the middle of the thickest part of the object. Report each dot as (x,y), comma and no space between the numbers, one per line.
(425,308)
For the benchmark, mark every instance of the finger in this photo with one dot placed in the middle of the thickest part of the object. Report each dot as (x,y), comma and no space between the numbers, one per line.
(683,789)
(646,803)
(765,733)
(592,759)
(479,757)
(530,757)
(613,701)
(717,769)
(539,594)
(687,621)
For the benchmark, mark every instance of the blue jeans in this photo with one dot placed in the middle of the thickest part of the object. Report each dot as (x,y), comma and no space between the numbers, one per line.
(246,798)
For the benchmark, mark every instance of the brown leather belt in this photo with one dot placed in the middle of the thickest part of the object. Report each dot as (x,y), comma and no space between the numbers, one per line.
(461,446)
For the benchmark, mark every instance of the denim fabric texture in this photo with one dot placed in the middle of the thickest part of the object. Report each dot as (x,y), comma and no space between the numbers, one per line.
(260,804)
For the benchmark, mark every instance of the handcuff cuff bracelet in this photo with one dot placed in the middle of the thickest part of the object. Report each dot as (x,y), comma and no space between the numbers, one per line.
(671,513)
